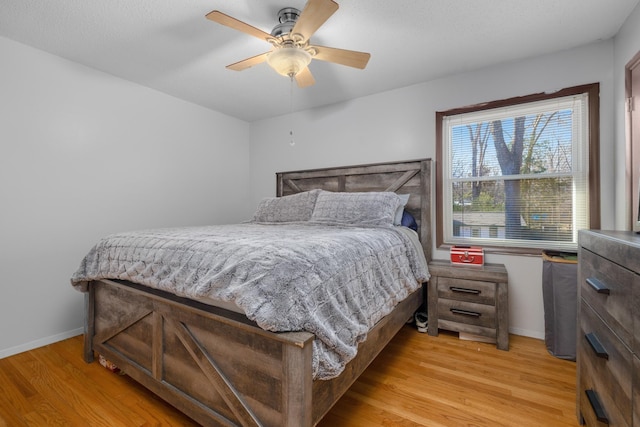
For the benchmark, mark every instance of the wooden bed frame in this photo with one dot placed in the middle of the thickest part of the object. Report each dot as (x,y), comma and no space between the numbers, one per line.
(220,368)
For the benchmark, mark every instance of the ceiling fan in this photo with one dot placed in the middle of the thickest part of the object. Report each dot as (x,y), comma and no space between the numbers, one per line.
(291,51)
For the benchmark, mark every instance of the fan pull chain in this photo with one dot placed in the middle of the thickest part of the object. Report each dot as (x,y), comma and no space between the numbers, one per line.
(292,142)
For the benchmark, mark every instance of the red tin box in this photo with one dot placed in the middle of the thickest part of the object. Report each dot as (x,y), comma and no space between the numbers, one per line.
(469,255)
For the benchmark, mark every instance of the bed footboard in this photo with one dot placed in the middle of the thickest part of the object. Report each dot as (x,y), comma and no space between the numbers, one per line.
(210,363)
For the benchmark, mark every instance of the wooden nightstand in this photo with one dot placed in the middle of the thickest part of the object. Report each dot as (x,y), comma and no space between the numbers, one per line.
(469,299)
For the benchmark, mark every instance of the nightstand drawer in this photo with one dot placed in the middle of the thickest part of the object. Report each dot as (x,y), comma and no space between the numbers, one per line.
(467,290)
(467,312)
(605,364)
(606,287)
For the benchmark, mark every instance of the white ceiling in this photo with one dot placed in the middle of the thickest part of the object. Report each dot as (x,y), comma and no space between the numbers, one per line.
(168,45)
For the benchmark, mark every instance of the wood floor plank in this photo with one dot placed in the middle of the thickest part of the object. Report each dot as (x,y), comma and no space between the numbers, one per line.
(53,405)
(122,392)
(15,390)
(418,380)
(62,373)
(68,393)
(450,382)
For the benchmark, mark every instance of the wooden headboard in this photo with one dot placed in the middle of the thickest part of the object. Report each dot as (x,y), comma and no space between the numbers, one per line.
(409,177)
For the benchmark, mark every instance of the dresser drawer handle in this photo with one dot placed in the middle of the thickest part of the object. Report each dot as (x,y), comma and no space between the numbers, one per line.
(598,286)
(594,400)
(465,312)
(464,290)
(596,346)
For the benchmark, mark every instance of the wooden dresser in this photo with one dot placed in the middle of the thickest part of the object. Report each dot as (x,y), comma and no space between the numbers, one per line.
(469,299)
(608,363)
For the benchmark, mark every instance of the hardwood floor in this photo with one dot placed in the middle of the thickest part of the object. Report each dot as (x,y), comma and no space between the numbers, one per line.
(418,380)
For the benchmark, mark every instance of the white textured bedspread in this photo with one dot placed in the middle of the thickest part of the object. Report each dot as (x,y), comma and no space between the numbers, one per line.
(333,281)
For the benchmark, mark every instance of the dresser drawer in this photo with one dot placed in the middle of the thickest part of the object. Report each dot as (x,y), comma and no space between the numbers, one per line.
(605,365)
(636,389)
(467,290)
(607,288)
(635,308)
(467,312)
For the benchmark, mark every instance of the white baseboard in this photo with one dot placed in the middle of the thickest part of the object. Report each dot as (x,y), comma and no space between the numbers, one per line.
(527,333)
(40,343)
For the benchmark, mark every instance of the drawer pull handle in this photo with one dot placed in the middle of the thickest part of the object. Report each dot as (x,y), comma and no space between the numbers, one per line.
(598,286)
(464,290)
(596,346)
(594,400)
(465,312)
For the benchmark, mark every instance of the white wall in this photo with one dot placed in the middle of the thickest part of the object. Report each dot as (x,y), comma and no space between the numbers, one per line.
(627,44)
(400,125)
(83,154)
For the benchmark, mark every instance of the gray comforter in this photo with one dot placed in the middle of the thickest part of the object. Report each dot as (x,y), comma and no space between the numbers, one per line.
(333,281)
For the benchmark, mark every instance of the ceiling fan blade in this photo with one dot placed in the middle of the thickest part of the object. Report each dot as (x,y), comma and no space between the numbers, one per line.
(314,14)
(249,62)
(228,21)
(304,78)
(350,58)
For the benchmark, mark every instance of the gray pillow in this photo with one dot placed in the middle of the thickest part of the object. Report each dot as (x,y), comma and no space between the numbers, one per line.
(296,207)
(365,209)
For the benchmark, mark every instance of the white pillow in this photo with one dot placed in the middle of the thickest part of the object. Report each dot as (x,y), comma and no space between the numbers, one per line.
(404,198)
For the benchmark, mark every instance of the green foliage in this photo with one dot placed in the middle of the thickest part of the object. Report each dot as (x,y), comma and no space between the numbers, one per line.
(485,202)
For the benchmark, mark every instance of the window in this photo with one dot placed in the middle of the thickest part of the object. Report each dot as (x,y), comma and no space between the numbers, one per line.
(519,174)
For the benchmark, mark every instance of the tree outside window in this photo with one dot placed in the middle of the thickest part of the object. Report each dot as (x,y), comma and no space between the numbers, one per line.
(519,173)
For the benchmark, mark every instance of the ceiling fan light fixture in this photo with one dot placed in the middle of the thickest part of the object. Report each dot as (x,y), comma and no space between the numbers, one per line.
(289,61)
(291,51)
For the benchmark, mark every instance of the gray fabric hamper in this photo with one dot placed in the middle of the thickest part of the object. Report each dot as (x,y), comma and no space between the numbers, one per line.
(559,293)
